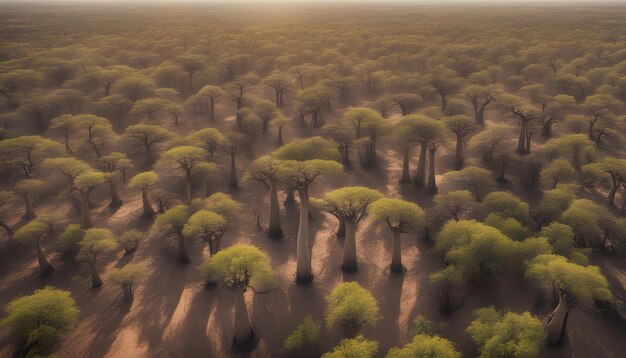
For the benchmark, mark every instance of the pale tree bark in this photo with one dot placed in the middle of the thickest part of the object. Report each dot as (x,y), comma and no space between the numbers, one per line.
(406,176)
(243,330)
(420,175)
(274,227)
(96,281)
(44,266)
(349,247)
(147,207)
(303,265)
(558,320)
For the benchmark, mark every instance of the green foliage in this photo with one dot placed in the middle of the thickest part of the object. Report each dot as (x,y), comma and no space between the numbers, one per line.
(144,181)
(358,347)
(425,346)
(130,239)
(349,202)
(453,204)
(399,214)
(561,237)
(222,204)
(309,149)
(96,242)
(40,318)
(70,239)
(205,224)
(477,180)
(585,217)
(424,326)
(173,220)
(581,284)
(31,232)
(506,205)
(558,171)
(300,174)
(304,337)
(510,227)
(128,274)
(240,266)
(351,307)
(552,205)
(507,334)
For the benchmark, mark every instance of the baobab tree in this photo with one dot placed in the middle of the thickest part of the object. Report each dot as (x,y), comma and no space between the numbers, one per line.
(209,139)
(233,141)
(312,101)
(127,277)
(494,145)
(238,268)
(28,190)
(462,127)
(190,63)
(279,122)
(171,223)
(445,82)
(114,167)
(95,243)
(186,159)
(524,113)
(265,171)
(35,232)
(148,107)
(453,204)
(616,168)
(400,216)
(208,226)
(99,131)
(209,94)
(351,307)
(84,184)
(406,102)
(420,130)
(576,285)
(569,146)
(129,240)
(280,82)
(26,152)
(303,163)
(236,89)
(480,97)
(373,128)
(349,204)
(145,181)
(266,111)
(68,167)
(477,180)
(148,137)
(68,124)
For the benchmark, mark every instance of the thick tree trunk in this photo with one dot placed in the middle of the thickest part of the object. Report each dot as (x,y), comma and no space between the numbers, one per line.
(501,170)
(521,142)
(290,198)
(303,269)
(147,207)
(30,213)
(527,145)
(480,115)
(279,139)
(116,201)
(87,222)
(149,155)
(432,178)
(558,321)
(212,116)
(576,159)
(6,227)
(274,227)
(233,183)
(458,155)
(420,174)
(181,256)
(341,230)
(349,247)
(96,281)
(44,266)
(546,130)
(128,292)
(396,256)
(610,200)
(406,175)
(188,187)
(243,330)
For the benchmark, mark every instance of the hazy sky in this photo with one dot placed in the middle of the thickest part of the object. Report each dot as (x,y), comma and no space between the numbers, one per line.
(334,1)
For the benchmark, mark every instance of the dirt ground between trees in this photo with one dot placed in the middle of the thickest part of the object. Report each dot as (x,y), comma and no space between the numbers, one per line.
(173,315)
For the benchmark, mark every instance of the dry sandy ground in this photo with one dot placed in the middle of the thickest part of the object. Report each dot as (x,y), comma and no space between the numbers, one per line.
(173,315)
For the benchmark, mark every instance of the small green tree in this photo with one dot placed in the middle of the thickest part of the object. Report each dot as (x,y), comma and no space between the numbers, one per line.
(28,190)
(239,267)
(130,239)
(506,205)
(353,347)
(171,223)
(38,319)
(304,337)
(475,179)
(208,226)
(401,217)
(461,126)
(561,237)
(184,158)
(148,107)
(426,346)
(33,233)
(95,243)
(506,334)
(576,284)
(231,145)
(210,94)
(559,171)
(70,239)
(126,277)
(351,307)
(453,204)
(350,205)
(209,139)
(145,181)
(147,137)
(114,166)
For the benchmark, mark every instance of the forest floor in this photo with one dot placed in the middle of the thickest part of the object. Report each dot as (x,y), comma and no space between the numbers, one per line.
(173,315)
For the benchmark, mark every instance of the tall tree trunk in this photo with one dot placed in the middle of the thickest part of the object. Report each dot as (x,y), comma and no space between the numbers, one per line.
(116,201)
(274,227)
(243,330)
(188,187)
(233,183)
(349,247)
(96,281)
(303,269)
(396,256)
(432,178)
(128,292)
(30,213)
(521,143)
(576,159)
(610,200)
(44,266)
(290,197)
(501,170)
(420,174)
(87,222)
(341,230)
(212,116)
(458,155)
(147,207)
(68,150)
(558,321)
(480,115)
(181,255)
(279,139)
(149,155)
(406,175)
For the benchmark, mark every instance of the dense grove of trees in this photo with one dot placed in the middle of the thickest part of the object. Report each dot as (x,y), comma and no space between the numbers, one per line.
(497,141)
